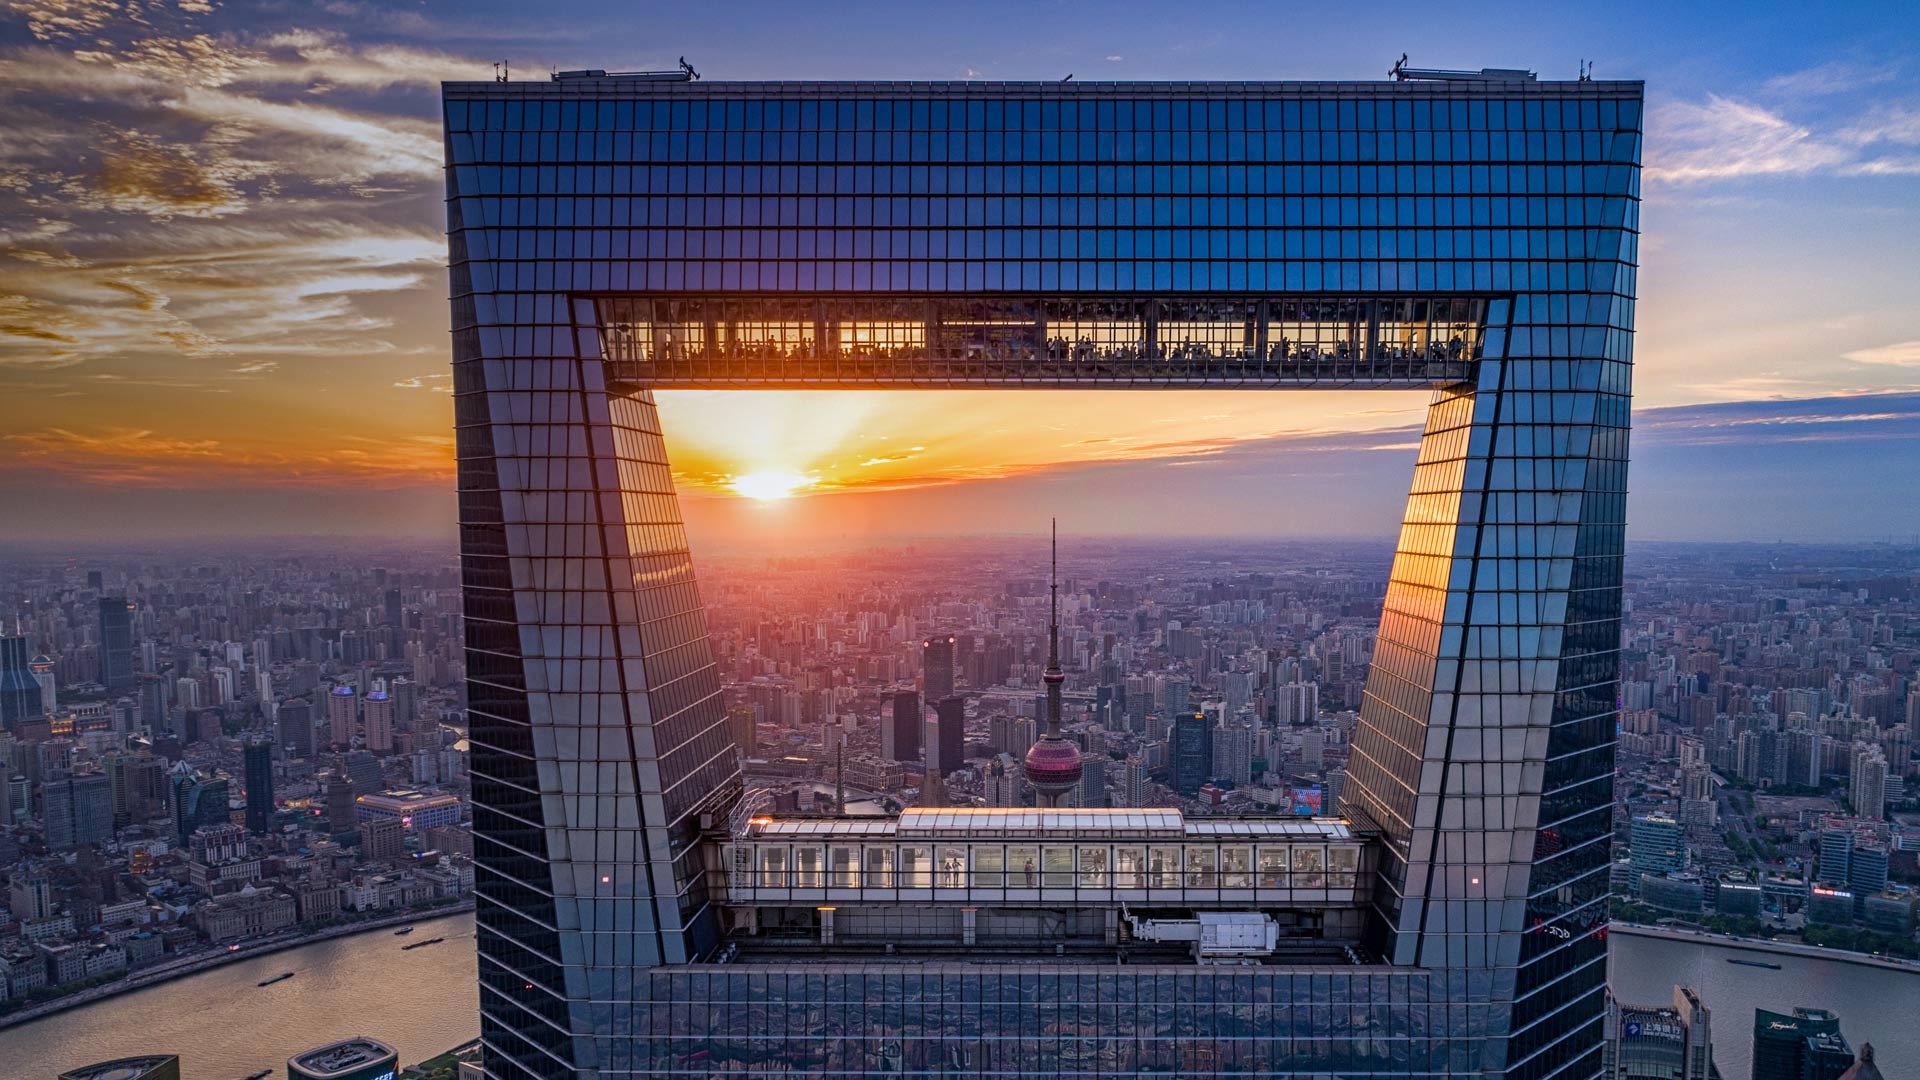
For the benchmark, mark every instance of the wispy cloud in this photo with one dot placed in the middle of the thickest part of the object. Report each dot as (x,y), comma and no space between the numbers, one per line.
(1725,138)
(1898,354)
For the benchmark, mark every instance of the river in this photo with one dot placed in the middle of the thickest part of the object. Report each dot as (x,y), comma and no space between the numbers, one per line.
(1874,1004)
(423,1002)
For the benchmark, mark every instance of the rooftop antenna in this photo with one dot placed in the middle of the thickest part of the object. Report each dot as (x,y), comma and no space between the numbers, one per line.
(688,68)
(1586,71)
(499,71)
(1399,66)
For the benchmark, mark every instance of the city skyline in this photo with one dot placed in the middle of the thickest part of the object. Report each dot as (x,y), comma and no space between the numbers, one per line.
(158,376)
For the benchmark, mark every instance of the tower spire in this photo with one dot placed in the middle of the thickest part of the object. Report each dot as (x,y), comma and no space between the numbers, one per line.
(1053,764)
(1054,677)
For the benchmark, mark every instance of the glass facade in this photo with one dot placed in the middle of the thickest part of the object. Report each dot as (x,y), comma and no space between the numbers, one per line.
(608,235)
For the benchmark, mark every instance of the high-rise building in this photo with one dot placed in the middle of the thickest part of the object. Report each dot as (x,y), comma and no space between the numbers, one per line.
(1648,1042)
(1867,782)
(1471,234)
(342,716)
(1659,845)
(258,760)
(377,713)
(116,644)
(78,809)
(295,722)
(1836,854)
(342,817)
(195,802)
(1192,752)
(936,667)
(1296,704)
(947,743)
(900,729)
(20,694)
(1801,1045)
(365,771)
(1002,787)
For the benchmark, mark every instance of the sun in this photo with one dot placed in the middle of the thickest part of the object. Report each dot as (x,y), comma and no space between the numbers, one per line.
(767,486)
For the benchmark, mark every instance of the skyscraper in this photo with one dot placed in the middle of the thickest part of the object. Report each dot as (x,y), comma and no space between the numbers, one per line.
(1649,1042)
(195,802)
(295,721)
(19,691)
(900,729)
(947,748)
(1192,752)
(342,716)
(936,667)
(1803,1045)
(1472,234)
(258,760)
(377,710)
(116,643)
(78,809)
(1659,845)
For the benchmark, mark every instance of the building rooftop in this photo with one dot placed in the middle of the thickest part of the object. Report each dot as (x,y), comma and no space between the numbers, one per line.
(341,1057)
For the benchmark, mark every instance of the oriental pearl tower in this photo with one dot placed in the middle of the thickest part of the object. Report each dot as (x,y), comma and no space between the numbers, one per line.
(1053,763)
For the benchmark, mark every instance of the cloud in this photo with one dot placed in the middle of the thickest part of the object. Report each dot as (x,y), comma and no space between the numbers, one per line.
(1726,138)
(122,457)
(437,383)
(1899,354)
(1838,77)
(1723,138)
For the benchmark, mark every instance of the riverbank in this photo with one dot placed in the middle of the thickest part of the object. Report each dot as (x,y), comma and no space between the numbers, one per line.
(154,976)
(1765,945)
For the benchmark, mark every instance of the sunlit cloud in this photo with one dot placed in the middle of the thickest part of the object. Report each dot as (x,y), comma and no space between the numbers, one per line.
(1899,354)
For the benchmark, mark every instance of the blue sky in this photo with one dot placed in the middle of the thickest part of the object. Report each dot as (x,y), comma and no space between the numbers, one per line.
(221,301)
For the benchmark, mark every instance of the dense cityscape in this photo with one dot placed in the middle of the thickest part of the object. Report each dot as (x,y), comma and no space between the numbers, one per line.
(211,756)
(524,561)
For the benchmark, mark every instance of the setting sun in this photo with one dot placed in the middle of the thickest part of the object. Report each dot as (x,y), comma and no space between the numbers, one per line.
(769,485)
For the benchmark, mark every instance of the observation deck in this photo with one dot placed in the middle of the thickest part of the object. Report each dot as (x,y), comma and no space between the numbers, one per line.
(844,341)
(1089,858)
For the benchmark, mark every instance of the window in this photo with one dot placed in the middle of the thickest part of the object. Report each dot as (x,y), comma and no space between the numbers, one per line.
(1202,868)
(773,867)
(1236,868)
(1093,867)
(989,866)
(1273,867)
(1058,867)
(953,867)
(1309,866)
(1343,864)
(879,859)
(1129,868)
(1023,868)
(916,867)
(844,864)
(808,868)
(1163,868)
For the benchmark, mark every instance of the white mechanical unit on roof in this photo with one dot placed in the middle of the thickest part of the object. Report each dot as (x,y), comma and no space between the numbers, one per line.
(1214,933)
